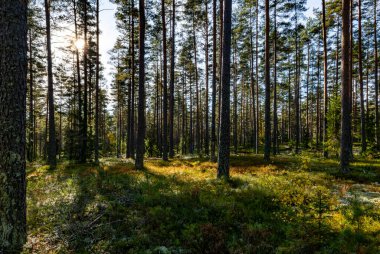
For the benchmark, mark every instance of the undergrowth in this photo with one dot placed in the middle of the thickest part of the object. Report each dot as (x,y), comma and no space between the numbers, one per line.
(293,205)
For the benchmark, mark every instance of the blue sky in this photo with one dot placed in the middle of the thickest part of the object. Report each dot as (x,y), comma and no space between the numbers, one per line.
(109,33)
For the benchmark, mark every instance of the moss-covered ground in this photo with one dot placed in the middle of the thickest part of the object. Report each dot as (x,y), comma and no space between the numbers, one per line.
(295,204)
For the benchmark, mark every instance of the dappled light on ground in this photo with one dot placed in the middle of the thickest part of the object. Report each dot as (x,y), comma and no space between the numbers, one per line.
(292,205)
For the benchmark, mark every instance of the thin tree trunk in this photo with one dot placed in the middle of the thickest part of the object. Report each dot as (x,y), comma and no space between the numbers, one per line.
(140,148)
(31,154)
(97,86)
(172,78)
(52,146)
(267,84)
(85,52)
(360,56)
(377,125)
(214,68)
(165,86)
(207,143)
(325,92)
(346,113)
(275,118)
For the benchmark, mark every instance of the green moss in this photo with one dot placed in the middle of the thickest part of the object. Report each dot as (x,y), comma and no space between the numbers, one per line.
(176,207)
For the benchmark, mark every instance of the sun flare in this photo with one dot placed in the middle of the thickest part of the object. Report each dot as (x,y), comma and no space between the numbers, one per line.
(79,44)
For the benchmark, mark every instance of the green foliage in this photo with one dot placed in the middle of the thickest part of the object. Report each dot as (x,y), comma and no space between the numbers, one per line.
(293,205)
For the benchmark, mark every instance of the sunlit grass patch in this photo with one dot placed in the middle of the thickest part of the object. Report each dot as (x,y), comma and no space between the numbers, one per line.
(180,206)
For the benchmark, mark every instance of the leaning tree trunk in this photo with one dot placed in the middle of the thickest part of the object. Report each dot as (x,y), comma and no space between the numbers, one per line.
(224,134)
(140,146)
(13,68)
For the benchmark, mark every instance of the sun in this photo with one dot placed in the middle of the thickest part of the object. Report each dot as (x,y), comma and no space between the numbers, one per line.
(79,44)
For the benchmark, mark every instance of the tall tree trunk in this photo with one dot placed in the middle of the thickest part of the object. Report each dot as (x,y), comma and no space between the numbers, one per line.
(133,86)
(31,154)
(377,125)
(325,92)
(214,69)
(140,148)
(207,137)
(13,69)
(307,95)
(79,117)
(267,84)
(360,56)
(52,146)
(346,112)
(224,135)
(297,85)
(235,94)
(165,86)
(171,85)
(97,86)
(221,11)
(197,94)
(85,92)
(257,80)
(275,117)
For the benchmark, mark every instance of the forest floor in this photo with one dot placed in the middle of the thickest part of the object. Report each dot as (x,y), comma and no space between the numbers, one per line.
(296,204)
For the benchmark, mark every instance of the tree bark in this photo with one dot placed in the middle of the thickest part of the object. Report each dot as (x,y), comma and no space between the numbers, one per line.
(52,146)
(267,84)
(214,69)
(171,86)
(97,86)
(325,92)
(360,56)
(165,86)
(224,135)
(13,69)
(140,148)
(345,96)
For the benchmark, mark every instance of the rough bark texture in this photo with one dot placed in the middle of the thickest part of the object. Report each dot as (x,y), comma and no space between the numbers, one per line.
(140,146)
(13,66)
(224,135)
(346,112)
